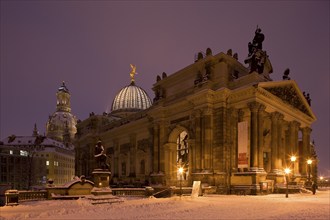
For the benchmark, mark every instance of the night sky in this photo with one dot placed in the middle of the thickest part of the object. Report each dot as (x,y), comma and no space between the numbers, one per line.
(90,45)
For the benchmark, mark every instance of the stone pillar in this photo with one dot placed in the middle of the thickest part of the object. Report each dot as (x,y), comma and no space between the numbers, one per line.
(116,160)
(233,138)
(293,145)
(162,140)
(240,119)
(274,137)
(170,151)
(254,106)
(280,146)
(197,152)
(207,154)
(286,151)
(261,115)
(132,156)
(156,165)
(305,151)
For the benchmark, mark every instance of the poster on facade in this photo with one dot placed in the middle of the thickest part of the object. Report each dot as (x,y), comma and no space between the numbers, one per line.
(242,144)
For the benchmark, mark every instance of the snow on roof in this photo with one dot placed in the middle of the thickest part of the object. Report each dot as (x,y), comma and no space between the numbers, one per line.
(33,140)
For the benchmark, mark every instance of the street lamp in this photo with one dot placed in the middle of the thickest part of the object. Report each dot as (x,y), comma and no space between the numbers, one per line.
(287,171)
(293,160)
(321,181)
(309,162)
(180,172)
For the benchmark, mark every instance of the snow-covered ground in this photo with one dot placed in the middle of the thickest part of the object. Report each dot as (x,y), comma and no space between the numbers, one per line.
(274,206)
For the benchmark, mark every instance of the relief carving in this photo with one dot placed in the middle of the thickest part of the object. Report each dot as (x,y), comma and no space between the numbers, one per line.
(289,95)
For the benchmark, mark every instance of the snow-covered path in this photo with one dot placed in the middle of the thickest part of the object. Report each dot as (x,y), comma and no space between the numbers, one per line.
(275,206)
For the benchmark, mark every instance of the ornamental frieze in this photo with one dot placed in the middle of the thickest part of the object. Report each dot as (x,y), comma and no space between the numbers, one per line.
(289,95)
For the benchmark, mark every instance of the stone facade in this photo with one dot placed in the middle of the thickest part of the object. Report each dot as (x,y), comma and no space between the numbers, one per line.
(194,123)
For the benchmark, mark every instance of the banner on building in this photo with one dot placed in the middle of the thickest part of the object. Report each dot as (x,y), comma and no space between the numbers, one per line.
(242,144)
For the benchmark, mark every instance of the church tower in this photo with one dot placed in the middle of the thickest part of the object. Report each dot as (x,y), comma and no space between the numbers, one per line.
(61,125)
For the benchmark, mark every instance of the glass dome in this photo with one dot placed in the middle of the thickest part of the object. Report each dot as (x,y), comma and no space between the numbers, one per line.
(131,98)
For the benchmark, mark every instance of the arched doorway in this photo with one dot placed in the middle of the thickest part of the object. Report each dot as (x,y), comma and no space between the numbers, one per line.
(182,154)
(176,155)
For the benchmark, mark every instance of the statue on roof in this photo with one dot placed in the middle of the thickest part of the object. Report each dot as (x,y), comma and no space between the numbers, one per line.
(257,58)
(132,73)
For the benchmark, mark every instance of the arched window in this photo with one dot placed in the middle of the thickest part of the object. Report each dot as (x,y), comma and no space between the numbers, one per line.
(183,153)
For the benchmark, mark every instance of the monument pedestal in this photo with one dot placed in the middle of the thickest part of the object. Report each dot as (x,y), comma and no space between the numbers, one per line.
(101,192)
(101,182)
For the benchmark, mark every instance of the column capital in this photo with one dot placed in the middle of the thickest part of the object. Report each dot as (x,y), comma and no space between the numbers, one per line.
(306,130)
(276,115)
(262,108)
(240,114)
(294,123)
(253,106)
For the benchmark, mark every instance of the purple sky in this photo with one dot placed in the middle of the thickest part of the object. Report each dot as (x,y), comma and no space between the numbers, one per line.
(90,44)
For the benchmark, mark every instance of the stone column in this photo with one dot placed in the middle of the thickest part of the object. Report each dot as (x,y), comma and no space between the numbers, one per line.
(254,106)
(233,138)
(274,137)
(293,144)
(261,115)
(305,151)
(240,119)
(170,167)
(116,160)
(207,154)
(132,156)
(280,146)
(156,165)
(197,152)
(162,140)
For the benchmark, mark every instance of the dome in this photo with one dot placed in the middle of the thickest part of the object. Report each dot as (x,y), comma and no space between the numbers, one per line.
(62,123)
(59,122)
(131,98)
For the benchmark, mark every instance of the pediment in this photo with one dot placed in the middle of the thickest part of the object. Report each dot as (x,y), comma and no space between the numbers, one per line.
(289,93)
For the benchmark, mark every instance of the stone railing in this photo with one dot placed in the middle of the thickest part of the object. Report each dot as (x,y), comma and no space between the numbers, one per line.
(129,191)
(32,195)
(13,197)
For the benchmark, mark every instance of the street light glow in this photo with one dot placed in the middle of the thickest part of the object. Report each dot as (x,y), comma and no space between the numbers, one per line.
(293,158)
(180,170)
(287,170)
(309,161)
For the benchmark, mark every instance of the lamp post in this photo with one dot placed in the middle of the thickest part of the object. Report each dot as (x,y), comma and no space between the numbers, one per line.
(287,171)
(180,172)
(321,181)
(293,160)
(309,163)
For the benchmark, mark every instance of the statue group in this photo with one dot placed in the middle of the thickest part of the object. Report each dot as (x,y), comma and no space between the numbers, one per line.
(257,58)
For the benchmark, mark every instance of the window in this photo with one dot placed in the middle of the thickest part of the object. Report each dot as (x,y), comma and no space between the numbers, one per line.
(23,153)
(56,163)
(11,152)
(47,163)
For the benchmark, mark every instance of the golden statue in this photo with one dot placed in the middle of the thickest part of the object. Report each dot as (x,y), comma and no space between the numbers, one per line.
(132,73)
